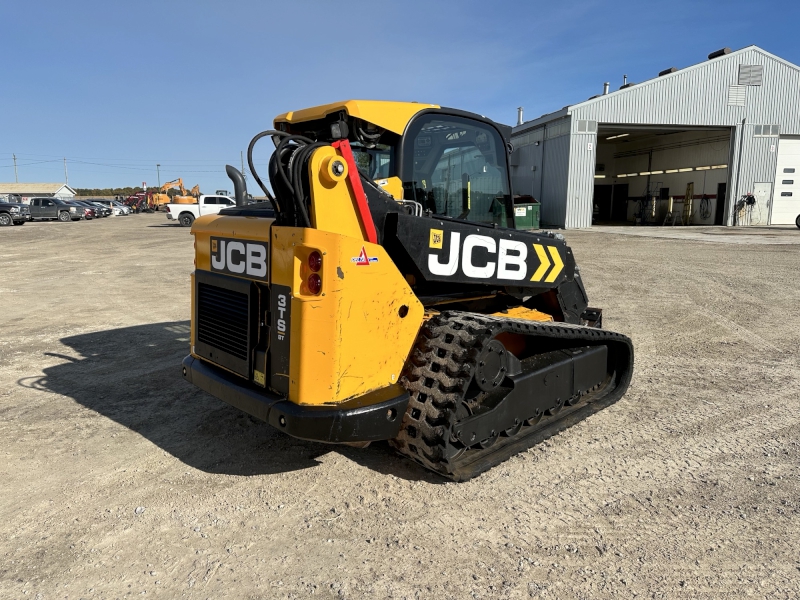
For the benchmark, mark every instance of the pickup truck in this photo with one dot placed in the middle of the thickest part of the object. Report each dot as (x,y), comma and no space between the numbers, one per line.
(185,214)
(14,213)
(54,208)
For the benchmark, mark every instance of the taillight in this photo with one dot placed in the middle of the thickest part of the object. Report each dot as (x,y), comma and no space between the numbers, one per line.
(314,283)
(315,261)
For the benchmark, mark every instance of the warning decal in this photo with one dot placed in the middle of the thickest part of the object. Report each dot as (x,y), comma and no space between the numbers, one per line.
(362,259)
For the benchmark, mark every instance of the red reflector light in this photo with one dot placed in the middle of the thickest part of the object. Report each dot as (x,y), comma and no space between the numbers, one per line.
(315,261)
(314,283)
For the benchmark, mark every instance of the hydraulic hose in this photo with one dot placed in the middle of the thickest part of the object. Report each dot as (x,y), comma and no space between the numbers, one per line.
(300,148)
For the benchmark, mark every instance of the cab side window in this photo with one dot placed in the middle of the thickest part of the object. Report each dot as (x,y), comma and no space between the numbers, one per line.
(457,168)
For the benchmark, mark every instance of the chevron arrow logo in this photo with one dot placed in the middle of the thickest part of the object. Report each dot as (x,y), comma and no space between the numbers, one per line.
(558,264)
(545,264)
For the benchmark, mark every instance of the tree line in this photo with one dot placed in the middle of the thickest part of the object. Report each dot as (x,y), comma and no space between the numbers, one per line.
(122,191)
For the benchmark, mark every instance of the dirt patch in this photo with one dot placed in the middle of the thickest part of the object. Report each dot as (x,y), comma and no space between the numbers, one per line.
(120,479)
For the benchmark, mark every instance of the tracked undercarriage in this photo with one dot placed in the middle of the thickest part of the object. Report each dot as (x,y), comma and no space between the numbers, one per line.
(474,403)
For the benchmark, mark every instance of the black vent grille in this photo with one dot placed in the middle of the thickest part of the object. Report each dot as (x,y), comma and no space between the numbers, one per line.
(222,320)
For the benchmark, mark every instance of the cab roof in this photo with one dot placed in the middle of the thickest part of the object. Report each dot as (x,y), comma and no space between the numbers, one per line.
(392,116)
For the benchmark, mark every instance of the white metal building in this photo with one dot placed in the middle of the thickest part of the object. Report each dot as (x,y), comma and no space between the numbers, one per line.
(718,142)
(26,191)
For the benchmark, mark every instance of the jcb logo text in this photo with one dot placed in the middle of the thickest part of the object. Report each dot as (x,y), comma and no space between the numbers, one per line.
(239,257)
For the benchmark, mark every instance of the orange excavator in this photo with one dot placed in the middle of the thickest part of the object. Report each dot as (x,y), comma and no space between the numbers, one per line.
(185,197)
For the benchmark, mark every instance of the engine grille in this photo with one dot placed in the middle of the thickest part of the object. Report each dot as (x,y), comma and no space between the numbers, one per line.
(222,320)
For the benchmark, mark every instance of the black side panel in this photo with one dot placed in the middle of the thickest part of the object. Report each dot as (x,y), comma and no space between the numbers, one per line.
(280,328)
(430,242)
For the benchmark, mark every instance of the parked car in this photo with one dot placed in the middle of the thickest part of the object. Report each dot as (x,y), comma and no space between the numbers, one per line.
(14,213)
(101,209)
(118,207)
(54,208)
(89,210)
(797,221)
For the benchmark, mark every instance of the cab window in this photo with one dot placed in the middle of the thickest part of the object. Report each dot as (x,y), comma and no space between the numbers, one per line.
(456,167)
(375,161)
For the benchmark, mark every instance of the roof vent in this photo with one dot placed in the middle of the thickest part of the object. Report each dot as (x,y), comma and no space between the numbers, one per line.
(627,85)
(719,53)
(667,71)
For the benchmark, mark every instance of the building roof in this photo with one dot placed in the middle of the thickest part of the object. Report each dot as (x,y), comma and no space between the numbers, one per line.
(636,87)
(26,189)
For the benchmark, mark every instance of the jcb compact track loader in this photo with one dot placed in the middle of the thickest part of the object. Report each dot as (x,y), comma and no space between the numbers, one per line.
(384,294)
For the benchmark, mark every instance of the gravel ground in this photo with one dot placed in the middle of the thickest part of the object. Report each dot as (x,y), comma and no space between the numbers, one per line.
(120,479)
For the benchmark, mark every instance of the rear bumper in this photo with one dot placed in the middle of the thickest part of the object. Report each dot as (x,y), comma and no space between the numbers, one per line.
(372,417)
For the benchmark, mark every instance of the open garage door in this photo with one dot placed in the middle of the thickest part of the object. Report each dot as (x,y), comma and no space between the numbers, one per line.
(786,196)
(661,174)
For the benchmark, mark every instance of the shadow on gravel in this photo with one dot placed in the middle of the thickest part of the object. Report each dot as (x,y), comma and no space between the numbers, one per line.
(132,375)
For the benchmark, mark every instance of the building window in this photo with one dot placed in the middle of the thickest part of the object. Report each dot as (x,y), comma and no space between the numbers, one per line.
(789,170)
(751,74)
(587,126)
(786,193)
(737,95)
(766,130)
(787,182)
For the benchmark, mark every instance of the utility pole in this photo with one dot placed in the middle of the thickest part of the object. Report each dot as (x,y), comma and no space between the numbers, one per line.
(16,179)
(244,173)
(158,168)
(66,177)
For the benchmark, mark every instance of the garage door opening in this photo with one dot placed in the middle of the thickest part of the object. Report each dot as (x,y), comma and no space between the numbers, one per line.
(654,175)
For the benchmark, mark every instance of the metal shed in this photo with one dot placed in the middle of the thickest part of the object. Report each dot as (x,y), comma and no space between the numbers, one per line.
(687,145)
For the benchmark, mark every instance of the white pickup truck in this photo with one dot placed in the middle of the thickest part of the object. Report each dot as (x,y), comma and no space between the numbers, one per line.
(185,214)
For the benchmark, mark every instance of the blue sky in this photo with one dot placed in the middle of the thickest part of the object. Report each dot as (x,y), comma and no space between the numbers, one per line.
(118,87)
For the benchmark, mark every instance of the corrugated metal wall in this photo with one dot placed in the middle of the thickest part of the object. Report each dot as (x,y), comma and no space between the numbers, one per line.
(580,183)
(555,174)
(695,96)
(543,171)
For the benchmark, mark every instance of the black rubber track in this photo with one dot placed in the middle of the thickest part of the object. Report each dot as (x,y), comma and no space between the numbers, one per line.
(441,368)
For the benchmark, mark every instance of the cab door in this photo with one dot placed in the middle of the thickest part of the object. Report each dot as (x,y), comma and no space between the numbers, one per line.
(49,209)
(36,208)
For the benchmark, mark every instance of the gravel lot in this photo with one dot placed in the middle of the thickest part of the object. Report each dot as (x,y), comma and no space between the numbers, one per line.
(121,479)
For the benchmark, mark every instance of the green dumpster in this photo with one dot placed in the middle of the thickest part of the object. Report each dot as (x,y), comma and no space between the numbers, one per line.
(526,213)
